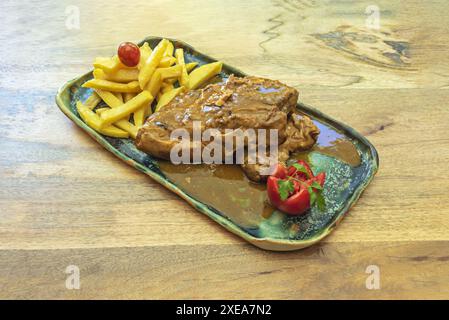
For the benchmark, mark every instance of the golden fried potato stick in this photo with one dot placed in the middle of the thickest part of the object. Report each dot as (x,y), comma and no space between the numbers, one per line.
(167,62)
(92,101)
(150,65)
(94,121)
(155,83)
(112,101)
(108,64)
(190,66)
(167,97)
(184,79)
(199,76)
(142,99)
(145,52)
(126,126)
(139,116)
(171,72)
(99,111)
(99,74)
(166,86)
(153,87)
(169,51)
(121,75)
(128,96)
(119,96)
(112,86)
(109,98)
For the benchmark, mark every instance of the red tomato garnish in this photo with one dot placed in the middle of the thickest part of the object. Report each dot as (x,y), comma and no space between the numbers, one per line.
(129,54)
(288,190)
(320,178)
(280,171)
(297,203)
(294,172)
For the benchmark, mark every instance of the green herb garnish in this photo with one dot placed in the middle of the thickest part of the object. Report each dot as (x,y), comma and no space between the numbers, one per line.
(285,188)
(320,202)
(316,185)
(302,169)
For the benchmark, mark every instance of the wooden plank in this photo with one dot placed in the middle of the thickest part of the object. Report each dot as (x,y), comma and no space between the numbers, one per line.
(329,271)
(306,43)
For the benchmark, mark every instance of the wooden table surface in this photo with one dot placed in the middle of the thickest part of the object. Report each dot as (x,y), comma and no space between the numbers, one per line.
(66,201)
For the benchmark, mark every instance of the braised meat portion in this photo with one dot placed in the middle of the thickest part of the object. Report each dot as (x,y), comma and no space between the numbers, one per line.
(301,135)
(239,103)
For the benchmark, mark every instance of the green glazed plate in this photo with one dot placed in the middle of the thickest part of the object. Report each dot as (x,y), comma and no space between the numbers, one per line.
(344,184)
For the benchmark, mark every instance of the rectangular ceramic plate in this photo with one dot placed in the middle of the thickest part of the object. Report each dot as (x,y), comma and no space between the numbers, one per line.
(344,184)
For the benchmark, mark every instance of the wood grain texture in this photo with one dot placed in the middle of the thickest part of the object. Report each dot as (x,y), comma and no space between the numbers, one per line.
(64,200)
(233,271)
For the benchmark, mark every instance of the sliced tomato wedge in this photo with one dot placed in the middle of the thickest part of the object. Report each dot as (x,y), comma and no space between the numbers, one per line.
(280,171)
(298,200)
(294,172)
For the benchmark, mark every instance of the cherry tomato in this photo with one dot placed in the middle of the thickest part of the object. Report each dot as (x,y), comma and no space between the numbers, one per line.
(129,54)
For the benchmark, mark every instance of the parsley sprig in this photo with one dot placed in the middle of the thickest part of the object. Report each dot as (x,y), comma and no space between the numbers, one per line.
(302,169)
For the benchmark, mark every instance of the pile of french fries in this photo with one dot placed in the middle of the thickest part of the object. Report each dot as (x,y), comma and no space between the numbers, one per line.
(131,93)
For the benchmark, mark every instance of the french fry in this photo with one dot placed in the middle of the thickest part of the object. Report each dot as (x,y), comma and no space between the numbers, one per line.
(128,96)
(167,97)
(112,101)
(92,101)
(124,110)
(112,86)
(153,87)
(94,121)
(145,52)
(121,75)
(171,72)
(204,73)
(128,127)
(155,83)
(108,64)
(119,96)
(190,66)
(171,81)
(152,63)
(139,116)
(99,74)
(184,79)
(109,98)
(167,62)
(166,86)
(169,51)
(99,111)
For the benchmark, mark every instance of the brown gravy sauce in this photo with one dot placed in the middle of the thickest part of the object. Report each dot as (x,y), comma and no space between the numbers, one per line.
(335,144)
(226,187)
